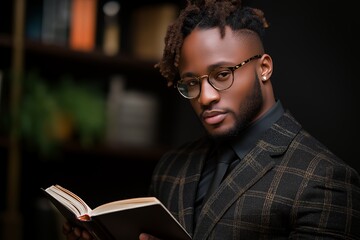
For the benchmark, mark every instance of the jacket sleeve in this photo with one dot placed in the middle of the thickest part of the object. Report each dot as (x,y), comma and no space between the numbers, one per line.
(327,204)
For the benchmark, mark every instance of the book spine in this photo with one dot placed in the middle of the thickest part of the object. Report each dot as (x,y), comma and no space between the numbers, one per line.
(82,34)
(34,16)
(55,21)
(149,29)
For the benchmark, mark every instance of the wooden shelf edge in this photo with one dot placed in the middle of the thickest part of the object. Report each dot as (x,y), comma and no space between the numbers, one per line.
(122,61)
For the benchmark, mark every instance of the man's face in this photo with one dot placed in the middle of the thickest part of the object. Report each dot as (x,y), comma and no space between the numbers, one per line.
(223,113)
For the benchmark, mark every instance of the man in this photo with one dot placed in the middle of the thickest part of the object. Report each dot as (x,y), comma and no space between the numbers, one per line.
(281,183)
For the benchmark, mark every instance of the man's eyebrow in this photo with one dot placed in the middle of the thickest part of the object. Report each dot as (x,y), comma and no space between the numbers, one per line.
(209,69)
(219,64)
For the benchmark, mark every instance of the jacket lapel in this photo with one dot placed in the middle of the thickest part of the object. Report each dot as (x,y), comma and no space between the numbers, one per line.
(244,175)
(188,187)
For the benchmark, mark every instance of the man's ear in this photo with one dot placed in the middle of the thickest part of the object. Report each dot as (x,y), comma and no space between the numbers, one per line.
(265,68)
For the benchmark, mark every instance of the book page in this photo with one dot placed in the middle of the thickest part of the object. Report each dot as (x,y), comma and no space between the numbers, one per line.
(124,204)
(69,199)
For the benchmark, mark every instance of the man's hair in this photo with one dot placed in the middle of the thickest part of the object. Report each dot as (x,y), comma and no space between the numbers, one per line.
(206,14)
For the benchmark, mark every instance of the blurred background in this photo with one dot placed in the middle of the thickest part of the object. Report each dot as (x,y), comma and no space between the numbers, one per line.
(82,105)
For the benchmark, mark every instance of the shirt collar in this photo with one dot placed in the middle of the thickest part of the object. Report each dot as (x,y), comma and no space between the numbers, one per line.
(249,137)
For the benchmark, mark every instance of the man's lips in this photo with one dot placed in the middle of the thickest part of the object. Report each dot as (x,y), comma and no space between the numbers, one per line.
(213,117)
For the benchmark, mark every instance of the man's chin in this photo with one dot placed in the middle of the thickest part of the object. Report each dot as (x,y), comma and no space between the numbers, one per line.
(223,135)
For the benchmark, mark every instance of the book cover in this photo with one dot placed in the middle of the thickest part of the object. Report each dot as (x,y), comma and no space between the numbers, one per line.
(122,219)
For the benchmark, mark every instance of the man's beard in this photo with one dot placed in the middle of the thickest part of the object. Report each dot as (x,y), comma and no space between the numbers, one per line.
(247,113)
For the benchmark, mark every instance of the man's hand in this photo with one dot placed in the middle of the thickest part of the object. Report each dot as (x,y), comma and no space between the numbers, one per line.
(75,233)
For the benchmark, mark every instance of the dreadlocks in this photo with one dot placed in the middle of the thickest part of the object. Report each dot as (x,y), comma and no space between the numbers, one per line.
(206,14)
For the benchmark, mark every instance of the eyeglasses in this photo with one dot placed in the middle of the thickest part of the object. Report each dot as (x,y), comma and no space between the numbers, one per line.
(220,79)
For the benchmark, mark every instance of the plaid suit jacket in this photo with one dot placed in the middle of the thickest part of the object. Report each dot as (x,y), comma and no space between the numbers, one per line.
(289,186)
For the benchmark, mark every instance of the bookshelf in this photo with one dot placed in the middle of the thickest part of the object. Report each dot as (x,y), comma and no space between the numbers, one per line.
(127,168)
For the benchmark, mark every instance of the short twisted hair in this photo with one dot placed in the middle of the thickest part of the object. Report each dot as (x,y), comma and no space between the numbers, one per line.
(206,14)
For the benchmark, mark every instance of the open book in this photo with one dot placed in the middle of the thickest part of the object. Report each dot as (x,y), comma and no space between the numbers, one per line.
(123,219)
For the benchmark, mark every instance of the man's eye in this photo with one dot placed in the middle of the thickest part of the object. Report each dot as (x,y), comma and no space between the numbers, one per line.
(191,82)
(222,75)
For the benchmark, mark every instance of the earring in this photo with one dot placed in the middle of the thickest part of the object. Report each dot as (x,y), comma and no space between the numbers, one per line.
(264,78)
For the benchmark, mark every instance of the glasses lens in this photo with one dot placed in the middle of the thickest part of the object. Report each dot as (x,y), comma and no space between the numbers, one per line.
(189,87)
(221,78)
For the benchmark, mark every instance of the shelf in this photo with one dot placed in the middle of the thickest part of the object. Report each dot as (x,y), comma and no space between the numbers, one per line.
(58,59)
(94,58)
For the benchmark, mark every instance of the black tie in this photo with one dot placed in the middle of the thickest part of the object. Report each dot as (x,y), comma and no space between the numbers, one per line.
(226,156)
(216,167)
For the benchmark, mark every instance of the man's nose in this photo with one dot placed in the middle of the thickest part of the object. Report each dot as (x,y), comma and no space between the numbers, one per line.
(208,93)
